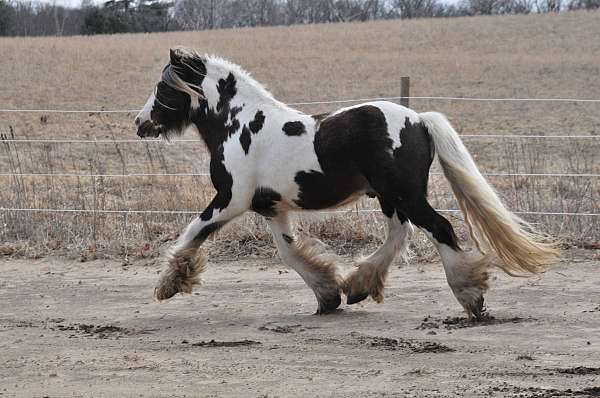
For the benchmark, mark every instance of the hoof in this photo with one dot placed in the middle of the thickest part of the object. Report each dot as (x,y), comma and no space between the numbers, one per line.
(468,288)
(182,274)
(329,305)
(165,292)
(476,310)
(354,298)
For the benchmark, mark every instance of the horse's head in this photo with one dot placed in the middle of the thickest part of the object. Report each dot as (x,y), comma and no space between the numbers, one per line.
(168,110)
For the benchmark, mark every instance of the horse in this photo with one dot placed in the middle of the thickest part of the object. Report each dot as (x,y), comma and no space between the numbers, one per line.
(272,159)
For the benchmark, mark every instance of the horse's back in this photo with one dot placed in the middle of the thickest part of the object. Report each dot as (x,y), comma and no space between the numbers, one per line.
(361,133)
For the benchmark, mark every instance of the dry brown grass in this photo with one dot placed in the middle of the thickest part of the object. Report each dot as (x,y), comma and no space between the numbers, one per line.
(507,56)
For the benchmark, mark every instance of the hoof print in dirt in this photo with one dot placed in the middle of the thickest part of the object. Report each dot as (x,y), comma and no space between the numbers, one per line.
(451,323)
(217,344)
(579,370)
(400,344)
(271,327)
(98,331)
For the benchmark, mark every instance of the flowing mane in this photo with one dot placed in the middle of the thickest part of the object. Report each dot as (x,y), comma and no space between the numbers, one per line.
(222,67)
(247,84)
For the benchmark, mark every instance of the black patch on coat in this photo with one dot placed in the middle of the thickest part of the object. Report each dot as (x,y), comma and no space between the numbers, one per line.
(207,230)
(234,111)
(227,89)
(213,124)
(233,127)
(387,207)
(414,156)
(245,139)
(257,124)
(320,191)
(254,126)
(443,232)
(353,141)
(264,201)
(348,145)
(294,128)
(412,163)
(222,181)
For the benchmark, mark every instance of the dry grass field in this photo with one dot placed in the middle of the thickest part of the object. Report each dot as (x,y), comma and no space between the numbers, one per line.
(71,329)
(554,56)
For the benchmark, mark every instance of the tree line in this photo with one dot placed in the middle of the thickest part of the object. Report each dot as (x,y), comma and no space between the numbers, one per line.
(29,18)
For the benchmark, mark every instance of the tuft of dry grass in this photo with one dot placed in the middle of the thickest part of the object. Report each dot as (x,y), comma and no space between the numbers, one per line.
(504,56)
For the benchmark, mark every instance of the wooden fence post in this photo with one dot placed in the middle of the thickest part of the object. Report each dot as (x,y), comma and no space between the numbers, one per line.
(404,90)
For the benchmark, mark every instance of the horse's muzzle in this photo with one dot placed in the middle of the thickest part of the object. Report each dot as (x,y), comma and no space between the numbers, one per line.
(149,129)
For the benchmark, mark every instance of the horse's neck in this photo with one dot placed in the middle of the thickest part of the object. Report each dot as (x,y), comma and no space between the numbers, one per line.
(247,93)
(226,115)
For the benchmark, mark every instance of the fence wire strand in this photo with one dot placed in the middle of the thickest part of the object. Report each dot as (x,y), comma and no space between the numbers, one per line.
(76,175)
(325,102)
(129,211)
(198,141)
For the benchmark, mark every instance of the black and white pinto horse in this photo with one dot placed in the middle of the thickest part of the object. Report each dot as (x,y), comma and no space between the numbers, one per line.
(272,159)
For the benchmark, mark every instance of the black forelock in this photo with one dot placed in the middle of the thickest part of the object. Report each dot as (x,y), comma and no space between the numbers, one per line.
(171,108)
(191,69)
(172,105)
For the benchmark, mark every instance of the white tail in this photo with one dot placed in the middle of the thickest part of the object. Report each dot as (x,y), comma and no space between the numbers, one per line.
(518,246)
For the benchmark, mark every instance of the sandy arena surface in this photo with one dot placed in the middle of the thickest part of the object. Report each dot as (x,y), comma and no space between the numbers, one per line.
(94,330)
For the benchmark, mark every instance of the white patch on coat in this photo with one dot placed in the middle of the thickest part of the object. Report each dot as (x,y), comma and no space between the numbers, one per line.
(457,266)
(144,114)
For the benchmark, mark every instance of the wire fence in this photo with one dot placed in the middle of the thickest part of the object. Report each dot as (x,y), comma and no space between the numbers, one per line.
(162,141)
(79,175)
(7,140)
(326,102)
(349,211)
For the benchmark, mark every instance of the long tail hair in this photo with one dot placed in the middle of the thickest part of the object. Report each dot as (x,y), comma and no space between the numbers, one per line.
(518,246)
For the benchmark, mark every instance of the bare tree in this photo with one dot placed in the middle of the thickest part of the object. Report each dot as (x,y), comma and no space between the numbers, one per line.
(584,4)
(548,5)
(417,8)
(60,18)
(517,6)
(196,14)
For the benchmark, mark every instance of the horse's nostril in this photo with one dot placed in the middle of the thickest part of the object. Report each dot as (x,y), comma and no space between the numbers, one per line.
(137,121)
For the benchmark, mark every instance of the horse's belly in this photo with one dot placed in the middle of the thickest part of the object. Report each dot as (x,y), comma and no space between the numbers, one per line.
(321,191)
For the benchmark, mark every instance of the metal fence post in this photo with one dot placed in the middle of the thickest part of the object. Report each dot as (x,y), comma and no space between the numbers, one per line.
(404,90)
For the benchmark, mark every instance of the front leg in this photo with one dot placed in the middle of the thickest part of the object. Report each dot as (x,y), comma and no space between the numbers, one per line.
(185,260)
(305,258)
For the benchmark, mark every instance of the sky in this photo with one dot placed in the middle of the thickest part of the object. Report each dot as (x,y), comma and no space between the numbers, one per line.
(69,3)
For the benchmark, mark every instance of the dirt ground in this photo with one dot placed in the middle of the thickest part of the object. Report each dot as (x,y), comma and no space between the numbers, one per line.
(94,329)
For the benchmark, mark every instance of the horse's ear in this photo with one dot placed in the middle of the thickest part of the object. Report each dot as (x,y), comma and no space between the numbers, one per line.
(175,56)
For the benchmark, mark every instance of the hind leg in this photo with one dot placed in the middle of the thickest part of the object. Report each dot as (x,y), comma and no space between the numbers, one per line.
(466,275)
(304,257)
(402,180)
(369,278)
